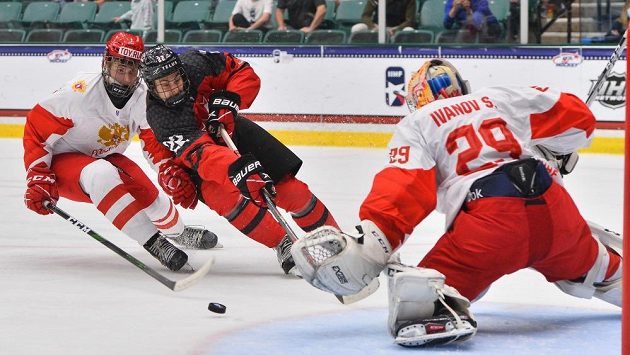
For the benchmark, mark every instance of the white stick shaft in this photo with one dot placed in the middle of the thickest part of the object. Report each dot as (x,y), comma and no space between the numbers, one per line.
(609,66)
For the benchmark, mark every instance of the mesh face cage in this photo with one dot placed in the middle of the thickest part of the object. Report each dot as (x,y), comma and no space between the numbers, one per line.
(114,87)
(173,100)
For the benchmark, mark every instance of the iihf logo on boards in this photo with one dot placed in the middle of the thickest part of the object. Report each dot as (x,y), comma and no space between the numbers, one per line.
(395,86)
(612,94)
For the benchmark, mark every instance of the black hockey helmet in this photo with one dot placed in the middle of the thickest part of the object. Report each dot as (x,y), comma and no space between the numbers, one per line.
(164,74)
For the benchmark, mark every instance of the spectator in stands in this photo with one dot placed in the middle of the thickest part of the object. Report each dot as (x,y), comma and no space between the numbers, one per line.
(473,15)
(251,15)
(304,15)
(140,14)
(400,15)
(617,28)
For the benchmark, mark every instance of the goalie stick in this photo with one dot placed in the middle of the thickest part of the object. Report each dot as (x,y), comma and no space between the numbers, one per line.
(366,291)
(605,235)
(173,285)
(609,66)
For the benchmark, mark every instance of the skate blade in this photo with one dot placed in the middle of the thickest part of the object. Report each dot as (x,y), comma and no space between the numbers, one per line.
(420,340)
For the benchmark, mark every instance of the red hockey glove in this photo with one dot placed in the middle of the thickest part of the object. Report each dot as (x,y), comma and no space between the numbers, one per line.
(41,185)
(177,183)
(248,175)
(223,109)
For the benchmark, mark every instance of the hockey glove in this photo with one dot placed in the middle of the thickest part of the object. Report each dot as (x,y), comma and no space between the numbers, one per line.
(177,183)
(41,185)
(247,174)
(565,163)
(223,109)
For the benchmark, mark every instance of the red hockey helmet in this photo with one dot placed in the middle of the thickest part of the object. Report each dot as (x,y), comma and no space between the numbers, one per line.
(436,79)
(121,62)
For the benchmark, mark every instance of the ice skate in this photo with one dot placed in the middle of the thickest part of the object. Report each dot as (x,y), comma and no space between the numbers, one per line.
(168,254)
(283,252)
(194,237)
(438,330)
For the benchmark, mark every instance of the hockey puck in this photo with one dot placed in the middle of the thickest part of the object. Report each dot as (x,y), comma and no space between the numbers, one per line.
(216,307)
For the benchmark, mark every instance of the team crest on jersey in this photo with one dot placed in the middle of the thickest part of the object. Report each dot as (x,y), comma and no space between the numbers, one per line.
(612,94)
(112,135)
(79,86)
(395,86)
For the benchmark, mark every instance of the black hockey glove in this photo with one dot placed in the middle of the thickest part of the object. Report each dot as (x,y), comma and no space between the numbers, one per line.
(248,175)
(223,109)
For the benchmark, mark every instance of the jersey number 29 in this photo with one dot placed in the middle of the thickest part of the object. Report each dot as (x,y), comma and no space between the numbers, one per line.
(476,140)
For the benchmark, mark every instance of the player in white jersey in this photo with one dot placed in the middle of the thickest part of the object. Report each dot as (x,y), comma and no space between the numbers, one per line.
(471,156)
(73,145)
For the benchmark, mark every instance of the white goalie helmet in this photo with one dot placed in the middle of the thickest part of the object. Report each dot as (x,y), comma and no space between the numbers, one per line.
(436,79)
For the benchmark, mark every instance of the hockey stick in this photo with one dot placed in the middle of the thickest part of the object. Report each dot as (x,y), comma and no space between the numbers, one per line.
(366,291)
(609,66)
(173,285)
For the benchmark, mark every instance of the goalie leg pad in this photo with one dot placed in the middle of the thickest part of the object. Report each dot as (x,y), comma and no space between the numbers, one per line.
(338,263)
(423,311)
(594,283)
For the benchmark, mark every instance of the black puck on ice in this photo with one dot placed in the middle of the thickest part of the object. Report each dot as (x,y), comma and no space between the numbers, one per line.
(216,307)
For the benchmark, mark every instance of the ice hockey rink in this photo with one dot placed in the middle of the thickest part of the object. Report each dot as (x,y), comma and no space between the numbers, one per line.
(64,293)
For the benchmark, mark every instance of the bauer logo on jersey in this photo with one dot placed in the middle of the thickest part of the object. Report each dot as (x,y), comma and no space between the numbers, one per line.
(395,86)
(59,56)
(112,135)
(612,94)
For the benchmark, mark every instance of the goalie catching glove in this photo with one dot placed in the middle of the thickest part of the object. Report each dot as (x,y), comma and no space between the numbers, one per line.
(176,182)
(565,163)
(223,109)
(341,264)
(248,175)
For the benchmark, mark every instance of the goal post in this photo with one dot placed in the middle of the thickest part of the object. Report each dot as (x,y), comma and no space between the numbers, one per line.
(625,310)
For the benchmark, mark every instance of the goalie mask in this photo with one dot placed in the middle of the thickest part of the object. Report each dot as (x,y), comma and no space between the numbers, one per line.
(436,79)
(164,74)
(120,64)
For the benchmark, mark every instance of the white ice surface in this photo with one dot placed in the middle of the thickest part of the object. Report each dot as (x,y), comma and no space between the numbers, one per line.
(62,292)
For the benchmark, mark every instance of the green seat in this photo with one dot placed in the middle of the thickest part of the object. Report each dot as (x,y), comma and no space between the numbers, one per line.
(285,36)
(44,35)
(222,14)
(190,14)
(106,13)
(12,36)
(329,18)
(84,36)
(170,36)
(432,15)
(203,36)
(456,37)
(363,37)
(76,14)
(250,36)
(110,33)
(9,13)
(326,37)
(413,37)
(500,9)
(349,13)
(38,13)
(168,13)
